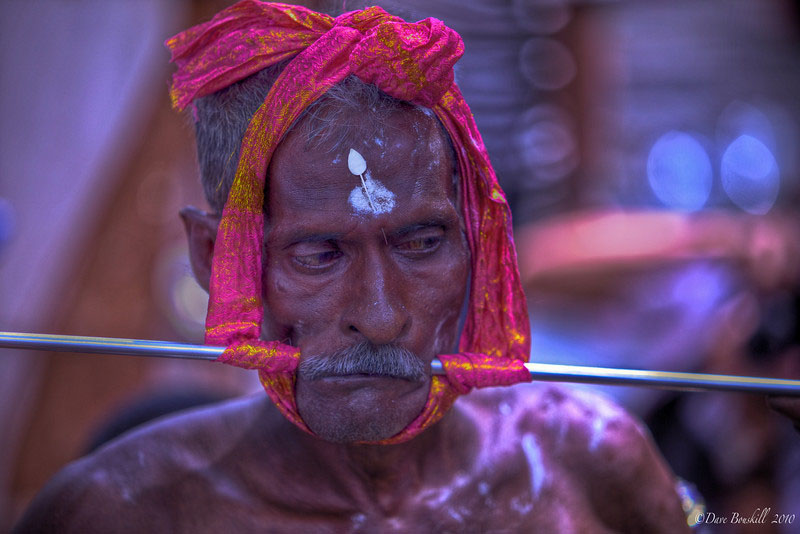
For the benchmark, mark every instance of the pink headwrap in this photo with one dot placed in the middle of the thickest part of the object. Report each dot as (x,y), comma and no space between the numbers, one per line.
(409,61)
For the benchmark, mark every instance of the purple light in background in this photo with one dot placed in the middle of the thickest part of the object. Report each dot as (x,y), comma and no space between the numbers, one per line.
(679,171)
(541,17)
(750,175)
(7,222)
(178,294)
(699,288)
(547,144)
(547,64)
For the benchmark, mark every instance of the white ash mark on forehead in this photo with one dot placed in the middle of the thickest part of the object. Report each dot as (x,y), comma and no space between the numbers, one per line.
(372,196)
(379,141)
(337,159)
(383,200)
(533,453)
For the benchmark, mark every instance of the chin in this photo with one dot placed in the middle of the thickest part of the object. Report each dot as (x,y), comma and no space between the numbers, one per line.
(357,431)
(359,409)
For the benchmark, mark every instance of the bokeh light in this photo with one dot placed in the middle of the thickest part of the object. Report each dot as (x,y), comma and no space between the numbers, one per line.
(750,175)
(541,17)
(546,143)
(547,64)
(7,222)
(679,171)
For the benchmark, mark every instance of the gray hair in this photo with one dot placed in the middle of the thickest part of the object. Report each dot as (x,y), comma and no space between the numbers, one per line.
(364,358)
(222,119)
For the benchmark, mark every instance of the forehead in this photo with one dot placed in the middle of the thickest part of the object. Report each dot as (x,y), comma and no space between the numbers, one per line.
(407,154)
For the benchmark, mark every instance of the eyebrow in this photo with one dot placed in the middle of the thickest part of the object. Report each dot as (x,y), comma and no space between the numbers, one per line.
(410,229)
(304,236)
(309,236)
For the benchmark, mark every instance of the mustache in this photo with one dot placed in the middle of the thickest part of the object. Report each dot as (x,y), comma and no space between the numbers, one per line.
(365,359)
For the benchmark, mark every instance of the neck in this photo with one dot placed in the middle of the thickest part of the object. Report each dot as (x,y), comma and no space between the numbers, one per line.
(434,448)
(407,459)
(431,458)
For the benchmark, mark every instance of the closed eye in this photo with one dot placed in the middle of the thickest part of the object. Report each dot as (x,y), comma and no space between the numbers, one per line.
(422,245)
(315,256)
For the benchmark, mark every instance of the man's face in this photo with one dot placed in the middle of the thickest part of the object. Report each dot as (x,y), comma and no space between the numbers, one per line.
(378,274)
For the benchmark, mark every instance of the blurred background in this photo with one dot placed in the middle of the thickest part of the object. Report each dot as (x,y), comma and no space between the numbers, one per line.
(649,149)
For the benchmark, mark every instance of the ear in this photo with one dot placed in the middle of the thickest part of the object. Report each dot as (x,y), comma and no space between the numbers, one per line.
(201,233)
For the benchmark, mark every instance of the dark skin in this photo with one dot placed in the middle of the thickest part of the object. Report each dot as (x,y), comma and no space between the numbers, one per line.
(336,276)
(787,406)
(521,459)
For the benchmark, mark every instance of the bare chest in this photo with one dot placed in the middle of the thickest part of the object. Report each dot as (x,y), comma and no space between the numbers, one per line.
(504,504)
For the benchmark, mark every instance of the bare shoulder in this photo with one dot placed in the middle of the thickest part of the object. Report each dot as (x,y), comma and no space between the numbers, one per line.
(576,422)
(586,443)
(127,484)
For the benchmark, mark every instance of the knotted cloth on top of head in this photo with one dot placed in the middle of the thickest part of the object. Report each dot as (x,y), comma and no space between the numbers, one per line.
(409,61)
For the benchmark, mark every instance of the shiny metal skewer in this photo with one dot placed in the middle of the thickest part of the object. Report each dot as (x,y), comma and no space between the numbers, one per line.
(109,345)
(539,371)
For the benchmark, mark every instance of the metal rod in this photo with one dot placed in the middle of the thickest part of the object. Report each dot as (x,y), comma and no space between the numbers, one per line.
(663,379)
(109,345)
(539,371)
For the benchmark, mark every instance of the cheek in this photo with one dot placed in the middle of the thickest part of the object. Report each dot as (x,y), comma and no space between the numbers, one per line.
(438,301)
(296,308)
(445,321)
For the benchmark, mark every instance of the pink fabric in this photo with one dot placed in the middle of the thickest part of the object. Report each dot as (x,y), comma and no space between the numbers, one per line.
(466,371)
(410,61)
(268,356)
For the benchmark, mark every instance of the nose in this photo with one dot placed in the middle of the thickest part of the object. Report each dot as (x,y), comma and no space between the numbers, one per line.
(376,311)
